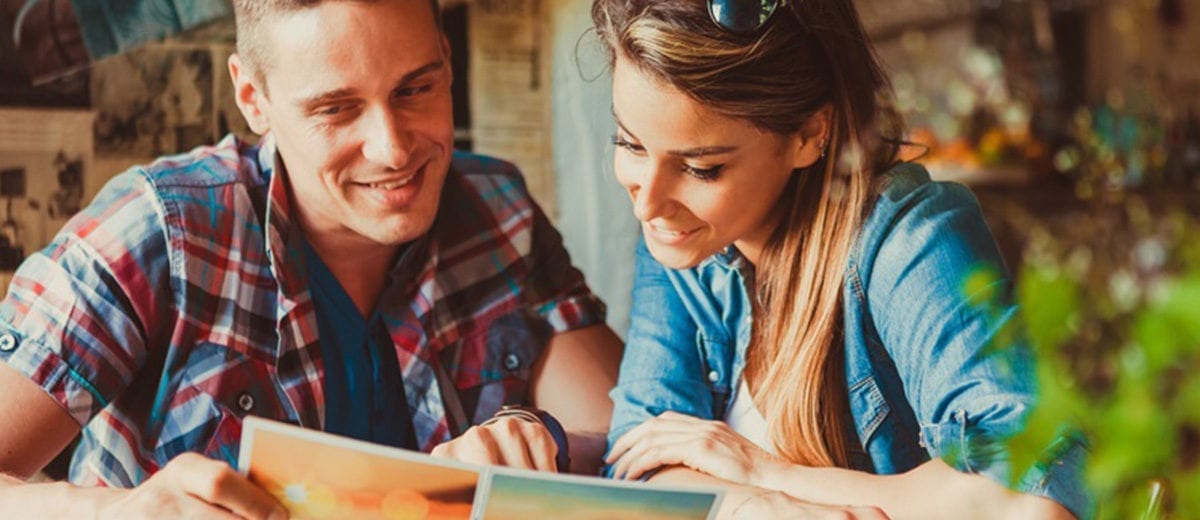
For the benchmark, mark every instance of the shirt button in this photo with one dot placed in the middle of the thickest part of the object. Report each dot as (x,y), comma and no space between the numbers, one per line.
(246,402)
(8,343)
(714,376)
(512,362)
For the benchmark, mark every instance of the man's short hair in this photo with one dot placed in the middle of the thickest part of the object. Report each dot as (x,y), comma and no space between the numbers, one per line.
(249,15)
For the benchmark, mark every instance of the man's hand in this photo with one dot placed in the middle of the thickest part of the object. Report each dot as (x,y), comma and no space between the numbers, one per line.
(191,486)
(509,441)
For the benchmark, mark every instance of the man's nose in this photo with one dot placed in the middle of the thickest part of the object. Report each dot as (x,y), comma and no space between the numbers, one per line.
(387,141)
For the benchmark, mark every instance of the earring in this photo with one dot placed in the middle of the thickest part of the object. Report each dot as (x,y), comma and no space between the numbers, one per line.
(822,148)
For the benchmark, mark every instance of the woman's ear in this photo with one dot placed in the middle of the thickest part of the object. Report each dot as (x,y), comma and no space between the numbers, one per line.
(813,138)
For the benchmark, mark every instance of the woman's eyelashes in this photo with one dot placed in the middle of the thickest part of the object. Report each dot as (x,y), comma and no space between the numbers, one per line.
(620,142)
(702,173)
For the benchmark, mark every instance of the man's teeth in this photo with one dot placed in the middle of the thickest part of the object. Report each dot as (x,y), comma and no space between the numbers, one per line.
(391,185)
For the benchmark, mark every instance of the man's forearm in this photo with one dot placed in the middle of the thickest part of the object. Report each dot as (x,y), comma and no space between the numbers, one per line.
(19,499)
(587,452)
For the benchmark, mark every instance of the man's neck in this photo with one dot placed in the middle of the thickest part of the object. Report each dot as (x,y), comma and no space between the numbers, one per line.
(361,268)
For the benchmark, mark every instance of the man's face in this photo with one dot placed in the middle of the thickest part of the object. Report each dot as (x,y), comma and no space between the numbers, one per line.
(357,96)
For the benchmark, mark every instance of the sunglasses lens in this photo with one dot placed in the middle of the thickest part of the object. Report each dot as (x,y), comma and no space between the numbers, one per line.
(741,16)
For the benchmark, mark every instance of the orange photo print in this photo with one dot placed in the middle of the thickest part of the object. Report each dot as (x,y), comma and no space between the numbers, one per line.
(318,475)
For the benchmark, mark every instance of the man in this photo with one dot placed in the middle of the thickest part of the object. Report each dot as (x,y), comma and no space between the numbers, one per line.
(350,274)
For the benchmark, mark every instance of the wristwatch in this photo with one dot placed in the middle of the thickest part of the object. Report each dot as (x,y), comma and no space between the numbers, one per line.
(531,414)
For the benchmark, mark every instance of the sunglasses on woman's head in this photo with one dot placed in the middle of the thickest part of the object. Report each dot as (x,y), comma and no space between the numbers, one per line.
(743,16)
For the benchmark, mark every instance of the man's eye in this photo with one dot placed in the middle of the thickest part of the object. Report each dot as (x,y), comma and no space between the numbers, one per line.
(331,110)
(412,91)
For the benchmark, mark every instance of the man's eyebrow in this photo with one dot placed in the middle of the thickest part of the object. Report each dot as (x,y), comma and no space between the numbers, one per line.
(316,100)
(421,71)
(690,153)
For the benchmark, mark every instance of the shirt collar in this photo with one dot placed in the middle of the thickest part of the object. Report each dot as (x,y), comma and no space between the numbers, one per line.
(285,243)
(729,258)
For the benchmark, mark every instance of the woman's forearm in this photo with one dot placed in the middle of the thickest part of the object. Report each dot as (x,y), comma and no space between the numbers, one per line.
(735,495)
(932,490)
(742,501)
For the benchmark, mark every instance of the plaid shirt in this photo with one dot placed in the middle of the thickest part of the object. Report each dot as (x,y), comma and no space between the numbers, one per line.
(177,303)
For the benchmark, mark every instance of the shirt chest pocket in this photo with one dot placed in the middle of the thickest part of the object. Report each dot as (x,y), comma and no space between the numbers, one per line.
(216,391)
(492,365)
(716,360)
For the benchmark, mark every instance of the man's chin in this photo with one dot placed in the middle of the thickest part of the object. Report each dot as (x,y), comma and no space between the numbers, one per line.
(397,233)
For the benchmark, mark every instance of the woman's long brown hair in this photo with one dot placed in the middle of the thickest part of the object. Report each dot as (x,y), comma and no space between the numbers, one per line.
(811,55)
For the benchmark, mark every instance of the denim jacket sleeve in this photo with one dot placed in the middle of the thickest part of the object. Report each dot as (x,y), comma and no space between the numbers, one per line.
(927,239)
(662,369)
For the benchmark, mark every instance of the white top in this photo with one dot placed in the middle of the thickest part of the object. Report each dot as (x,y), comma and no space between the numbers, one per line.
(746,420)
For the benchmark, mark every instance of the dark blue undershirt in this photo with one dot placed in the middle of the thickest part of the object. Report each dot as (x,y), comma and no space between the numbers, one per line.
(364,390)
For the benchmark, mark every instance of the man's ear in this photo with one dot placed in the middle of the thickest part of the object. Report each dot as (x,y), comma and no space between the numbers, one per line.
(813,138)
(248,94)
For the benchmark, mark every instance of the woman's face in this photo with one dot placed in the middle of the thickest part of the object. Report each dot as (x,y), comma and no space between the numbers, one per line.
(699,180)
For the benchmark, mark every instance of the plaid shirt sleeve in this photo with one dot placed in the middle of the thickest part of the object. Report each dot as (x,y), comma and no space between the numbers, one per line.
(76,314)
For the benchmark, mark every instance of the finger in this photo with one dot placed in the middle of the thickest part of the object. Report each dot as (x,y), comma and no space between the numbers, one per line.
(542,448)
(191,507)
(654,451)
(442,451)
(649,460)
(652,427)
(672,415)
(510,439)
(649,457)
(476,446)
(690,449)
(870,513)
(631,438)
(217,484)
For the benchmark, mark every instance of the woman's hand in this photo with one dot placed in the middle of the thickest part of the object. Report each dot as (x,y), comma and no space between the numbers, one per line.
(674,439)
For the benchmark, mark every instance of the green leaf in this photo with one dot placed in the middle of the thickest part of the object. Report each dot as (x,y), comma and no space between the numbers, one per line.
(1050,303)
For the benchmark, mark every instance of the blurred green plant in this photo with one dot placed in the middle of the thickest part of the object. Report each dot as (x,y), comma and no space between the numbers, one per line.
(1110,305)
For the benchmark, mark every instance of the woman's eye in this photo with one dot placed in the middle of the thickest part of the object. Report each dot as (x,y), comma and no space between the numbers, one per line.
(704,174)
(621,143)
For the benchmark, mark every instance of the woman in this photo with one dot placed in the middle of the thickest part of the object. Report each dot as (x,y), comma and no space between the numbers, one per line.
(799,333)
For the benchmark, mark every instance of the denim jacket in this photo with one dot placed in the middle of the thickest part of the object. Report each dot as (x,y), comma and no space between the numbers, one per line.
(920,378)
